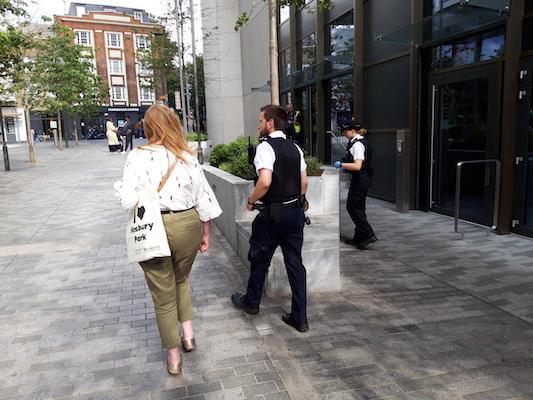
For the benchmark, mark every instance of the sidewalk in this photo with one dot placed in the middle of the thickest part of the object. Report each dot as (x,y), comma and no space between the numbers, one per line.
(423,315)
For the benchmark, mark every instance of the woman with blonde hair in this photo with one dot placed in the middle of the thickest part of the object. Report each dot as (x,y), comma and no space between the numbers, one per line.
(187,206)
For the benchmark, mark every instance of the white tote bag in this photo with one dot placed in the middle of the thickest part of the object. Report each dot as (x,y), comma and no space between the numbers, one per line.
(146,237)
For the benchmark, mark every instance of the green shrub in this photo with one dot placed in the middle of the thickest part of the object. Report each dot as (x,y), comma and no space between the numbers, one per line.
(193,136)
(241,167)
(314,166)
(225,166)
(233,158)
(218,155)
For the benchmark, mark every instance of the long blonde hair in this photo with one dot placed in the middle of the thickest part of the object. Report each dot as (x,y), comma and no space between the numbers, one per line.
(162,126)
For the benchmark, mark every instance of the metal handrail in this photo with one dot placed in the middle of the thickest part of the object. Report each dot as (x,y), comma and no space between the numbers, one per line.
(496,190)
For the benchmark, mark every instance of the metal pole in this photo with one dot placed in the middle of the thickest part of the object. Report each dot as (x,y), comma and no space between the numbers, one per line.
(60,131)
(179,34)
(4,143)
(457,196)
(196,105)
(495,213)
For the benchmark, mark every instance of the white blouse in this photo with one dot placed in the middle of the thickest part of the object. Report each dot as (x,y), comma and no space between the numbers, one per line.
(186,187)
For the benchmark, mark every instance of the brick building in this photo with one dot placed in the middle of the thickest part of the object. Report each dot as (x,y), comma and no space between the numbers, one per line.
(116,36)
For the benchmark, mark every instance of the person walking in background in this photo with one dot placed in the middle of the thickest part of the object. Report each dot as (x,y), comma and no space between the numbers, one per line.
(128,132)
(187,206)
(112,138)
(358,160)
(281,188)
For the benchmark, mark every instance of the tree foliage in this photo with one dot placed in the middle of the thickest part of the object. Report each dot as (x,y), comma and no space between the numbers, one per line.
(62,76)
(244,17)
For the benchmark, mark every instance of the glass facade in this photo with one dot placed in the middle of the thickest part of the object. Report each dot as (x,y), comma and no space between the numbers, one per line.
(468,50)
(340,42)
(285,62)
(340,95)
(306,51)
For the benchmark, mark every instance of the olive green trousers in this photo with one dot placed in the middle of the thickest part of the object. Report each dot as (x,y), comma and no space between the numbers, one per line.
(168,277)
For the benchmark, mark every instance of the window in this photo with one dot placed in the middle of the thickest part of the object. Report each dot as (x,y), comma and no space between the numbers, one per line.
(119,93)
(142,42)
(307,51)
(284,14)
(116,67)
(114,40)
(143,69)
(469,50)
(438,5)
(138,15)
(340,101)
(341,42)
(84,38)
(147,93)
(285,62)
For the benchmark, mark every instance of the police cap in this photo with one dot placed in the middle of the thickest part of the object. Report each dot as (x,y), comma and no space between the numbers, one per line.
(349,125)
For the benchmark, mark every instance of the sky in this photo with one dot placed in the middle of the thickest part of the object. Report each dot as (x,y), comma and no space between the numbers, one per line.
(37,8)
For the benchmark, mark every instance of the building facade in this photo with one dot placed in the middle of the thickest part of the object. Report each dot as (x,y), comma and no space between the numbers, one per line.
(117,37)
(435,82)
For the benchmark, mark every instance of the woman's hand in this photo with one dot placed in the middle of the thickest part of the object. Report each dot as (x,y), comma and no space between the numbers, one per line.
(204,244)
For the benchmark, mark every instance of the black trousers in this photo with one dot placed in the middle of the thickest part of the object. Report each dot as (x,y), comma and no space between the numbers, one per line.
(267,235)
(356,206)
(129,141)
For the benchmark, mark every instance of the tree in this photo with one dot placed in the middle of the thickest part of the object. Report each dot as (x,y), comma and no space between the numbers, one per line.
(273,5)
(62,77)
(13,46)
(156,61)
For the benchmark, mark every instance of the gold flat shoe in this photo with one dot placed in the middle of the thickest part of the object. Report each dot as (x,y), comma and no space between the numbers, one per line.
(174,369)
(188,345)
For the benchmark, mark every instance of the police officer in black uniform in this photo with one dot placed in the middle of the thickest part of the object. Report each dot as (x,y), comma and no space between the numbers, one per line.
(281,188)
(358,160)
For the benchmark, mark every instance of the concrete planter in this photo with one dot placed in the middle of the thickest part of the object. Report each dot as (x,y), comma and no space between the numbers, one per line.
(206,145)
(321,239)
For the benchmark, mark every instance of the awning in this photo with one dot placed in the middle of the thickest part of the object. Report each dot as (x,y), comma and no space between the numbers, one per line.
(463,17)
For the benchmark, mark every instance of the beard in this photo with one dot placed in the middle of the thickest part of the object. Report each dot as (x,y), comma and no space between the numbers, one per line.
(263,132)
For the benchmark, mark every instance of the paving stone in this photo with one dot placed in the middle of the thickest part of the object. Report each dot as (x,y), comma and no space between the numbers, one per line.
(422,314)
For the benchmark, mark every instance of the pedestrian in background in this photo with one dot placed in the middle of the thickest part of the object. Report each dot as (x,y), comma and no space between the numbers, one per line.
(187,205)
(112,138)
(358,161)
(281,187)
(128,132)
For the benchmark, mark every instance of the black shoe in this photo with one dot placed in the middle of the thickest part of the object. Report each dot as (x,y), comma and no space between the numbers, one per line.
(300,327)
(239,301)
(363,245)
(351,242)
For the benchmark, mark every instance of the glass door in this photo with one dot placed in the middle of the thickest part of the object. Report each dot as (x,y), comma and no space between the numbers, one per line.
(465,120)
(307,107)
(523,205)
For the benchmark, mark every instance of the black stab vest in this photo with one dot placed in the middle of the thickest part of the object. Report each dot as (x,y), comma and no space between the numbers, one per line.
(286,180)
(367,162)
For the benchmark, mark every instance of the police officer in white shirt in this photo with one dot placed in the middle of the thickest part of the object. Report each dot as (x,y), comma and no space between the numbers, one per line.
(358,161)
(281,187)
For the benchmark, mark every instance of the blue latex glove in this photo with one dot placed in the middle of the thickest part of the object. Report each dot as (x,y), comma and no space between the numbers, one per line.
(337,164)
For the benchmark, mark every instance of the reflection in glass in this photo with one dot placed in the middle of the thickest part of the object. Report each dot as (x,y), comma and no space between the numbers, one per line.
(462,136)
(285,62)
(341,42)
(284,13)
(492,46)
(307,51)
(341,101)
(464,52)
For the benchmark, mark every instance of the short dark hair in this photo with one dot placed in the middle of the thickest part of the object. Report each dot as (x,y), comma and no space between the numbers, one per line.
(276,113)
(128,117)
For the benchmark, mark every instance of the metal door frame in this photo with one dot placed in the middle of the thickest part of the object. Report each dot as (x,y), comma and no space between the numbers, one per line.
(520,187)
(492,71)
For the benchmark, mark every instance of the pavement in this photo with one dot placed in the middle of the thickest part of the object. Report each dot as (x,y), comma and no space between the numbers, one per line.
(421,315)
